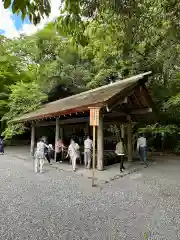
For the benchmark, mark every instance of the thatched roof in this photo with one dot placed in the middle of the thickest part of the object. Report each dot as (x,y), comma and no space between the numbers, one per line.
(81,102)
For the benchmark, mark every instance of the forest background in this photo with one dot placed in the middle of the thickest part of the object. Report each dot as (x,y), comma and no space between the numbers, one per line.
(89,44)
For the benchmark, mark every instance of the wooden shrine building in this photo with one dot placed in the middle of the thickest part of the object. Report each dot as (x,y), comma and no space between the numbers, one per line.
(124,101)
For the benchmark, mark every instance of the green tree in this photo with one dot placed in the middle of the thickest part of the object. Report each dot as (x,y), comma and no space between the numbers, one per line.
(35,9)
(9,72)
(44,59)
(118,39)
(128,37)
(24,98)
(60,63)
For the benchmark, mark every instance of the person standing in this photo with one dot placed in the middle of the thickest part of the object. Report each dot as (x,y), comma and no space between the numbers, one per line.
(87,152)
(141,148)
(73,153)
(1,146)
(120,151)
(59,150)
(47,150)
(51,151)
(40,155)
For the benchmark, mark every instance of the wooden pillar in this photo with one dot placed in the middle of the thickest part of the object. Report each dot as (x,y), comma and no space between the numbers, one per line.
(100,144)
(87,129)
(129,138)
(61,136)
(61,133)
(32,139)
(56,134)
(122,131)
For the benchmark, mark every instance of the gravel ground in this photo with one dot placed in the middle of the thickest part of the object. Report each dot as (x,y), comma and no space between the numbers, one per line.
(58,205)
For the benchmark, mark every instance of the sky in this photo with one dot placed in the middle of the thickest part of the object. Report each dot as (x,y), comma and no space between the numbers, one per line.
(12,26)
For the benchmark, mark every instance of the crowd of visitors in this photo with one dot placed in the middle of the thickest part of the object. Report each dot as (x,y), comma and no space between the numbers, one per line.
(46,151)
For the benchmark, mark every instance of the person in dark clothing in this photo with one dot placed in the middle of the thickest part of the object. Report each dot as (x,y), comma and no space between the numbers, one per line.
(48,156)
(46,151)
(1,146)
(51,151)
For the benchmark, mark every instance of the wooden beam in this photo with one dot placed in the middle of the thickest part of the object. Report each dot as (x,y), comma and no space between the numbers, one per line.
(86,119)
(125,101)
(32,139)
(63,122)
(100,144)
(131,112)
(119,102)
(61,136)
(57,129)
(146,96)
(119,98)
(117,122)
(129,135)
(141,111)
(61,133)
(122,131)
(150,102)
(56,135)
(137,100)
(87,128)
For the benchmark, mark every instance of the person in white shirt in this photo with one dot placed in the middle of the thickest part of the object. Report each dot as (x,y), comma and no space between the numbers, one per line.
(120,151)
(73,153)
(141,148)
(87,152)
(40,156)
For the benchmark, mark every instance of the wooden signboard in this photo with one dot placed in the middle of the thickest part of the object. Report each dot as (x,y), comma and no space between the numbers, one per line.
(94,116)
(94,121)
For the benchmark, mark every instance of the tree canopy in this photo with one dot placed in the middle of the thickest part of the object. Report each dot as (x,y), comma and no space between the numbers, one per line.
(90,43)
(35,9)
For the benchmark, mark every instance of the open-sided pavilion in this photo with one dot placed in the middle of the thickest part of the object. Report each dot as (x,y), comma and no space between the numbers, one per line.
(124,101)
